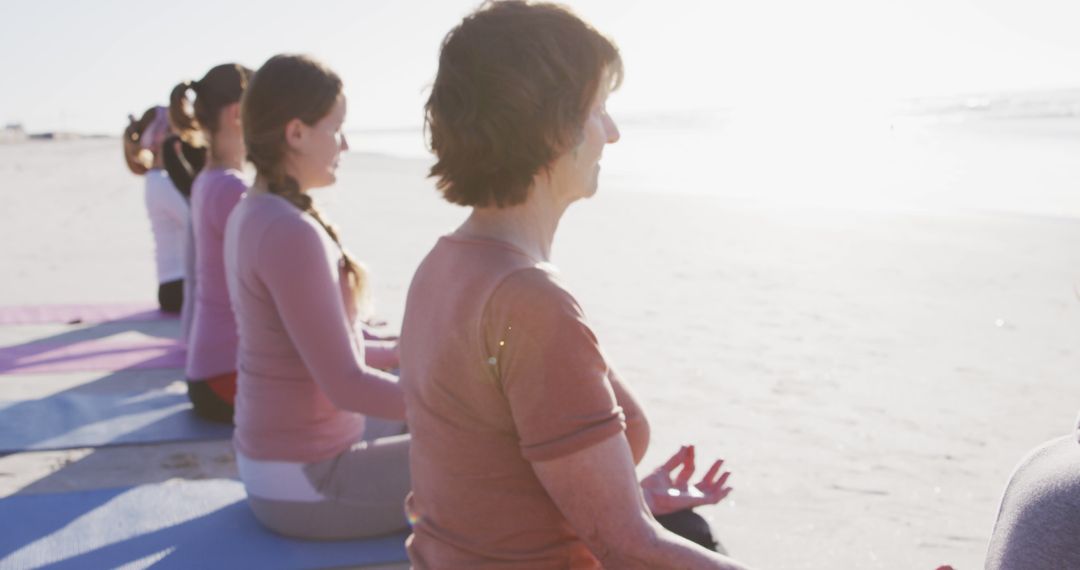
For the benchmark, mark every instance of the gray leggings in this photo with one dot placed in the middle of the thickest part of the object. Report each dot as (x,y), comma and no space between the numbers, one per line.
(365,490)
(1038,523)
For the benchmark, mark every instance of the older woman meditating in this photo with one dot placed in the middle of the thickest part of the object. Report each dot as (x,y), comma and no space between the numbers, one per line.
(524,437)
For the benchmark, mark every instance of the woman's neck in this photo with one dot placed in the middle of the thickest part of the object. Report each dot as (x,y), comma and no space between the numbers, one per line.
(260,186)
(225,150)
(529,226)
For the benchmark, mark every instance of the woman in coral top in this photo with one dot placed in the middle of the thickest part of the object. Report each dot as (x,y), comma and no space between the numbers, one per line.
(313,463)
(524,439)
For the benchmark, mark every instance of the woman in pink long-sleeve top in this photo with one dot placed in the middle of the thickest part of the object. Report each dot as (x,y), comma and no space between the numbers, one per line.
(210,330)
(314,466)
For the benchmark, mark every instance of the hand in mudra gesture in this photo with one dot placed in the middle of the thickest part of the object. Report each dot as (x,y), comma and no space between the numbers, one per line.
(666,493)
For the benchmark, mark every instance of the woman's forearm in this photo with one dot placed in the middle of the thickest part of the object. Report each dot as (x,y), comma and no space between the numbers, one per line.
(381,354)
(659,548)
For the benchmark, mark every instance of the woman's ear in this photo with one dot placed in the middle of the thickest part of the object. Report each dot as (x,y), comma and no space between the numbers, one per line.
(295,134)
(232,113)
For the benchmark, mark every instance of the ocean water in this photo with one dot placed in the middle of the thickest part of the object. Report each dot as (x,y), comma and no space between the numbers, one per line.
(1012,154)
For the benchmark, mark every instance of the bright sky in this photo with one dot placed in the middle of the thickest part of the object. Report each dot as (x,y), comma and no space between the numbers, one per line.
(85,65)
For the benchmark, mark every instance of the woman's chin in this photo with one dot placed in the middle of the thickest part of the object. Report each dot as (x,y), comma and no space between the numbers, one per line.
(594,187)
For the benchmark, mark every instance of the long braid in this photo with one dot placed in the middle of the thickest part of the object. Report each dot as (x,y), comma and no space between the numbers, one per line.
(285,88)
(281,184)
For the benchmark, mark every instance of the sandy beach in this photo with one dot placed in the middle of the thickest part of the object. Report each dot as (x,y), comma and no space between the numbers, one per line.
(871,377)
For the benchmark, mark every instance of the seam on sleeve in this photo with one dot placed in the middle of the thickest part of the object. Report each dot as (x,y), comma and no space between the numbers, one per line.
(578,441)
(493,365)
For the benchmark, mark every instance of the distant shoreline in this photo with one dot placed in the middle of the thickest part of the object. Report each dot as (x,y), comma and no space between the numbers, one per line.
(15,138)
(1038,104)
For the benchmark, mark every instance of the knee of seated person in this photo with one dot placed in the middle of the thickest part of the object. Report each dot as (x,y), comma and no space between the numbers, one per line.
(691,526)
(280,518)
(294,519)
(172,306)
(320,521)
(207,405)
(171,296)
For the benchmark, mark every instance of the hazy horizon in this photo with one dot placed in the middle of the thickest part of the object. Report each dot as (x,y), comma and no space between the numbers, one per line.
(84,67)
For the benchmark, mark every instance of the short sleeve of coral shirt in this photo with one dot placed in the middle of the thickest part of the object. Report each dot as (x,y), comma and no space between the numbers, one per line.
(550,366)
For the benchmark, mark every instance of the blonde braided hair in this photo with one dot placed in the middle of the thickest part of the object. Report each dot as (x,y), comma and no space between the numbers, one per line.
(356,275)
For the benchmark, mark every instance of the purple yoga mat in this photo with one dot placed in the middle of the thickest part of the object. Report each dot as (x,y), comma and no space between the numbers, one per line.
(80,313)
(91,355)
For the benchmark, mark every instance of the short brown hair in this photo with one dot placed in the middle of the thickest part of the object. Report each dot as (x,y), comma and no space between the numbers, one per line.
(513,89)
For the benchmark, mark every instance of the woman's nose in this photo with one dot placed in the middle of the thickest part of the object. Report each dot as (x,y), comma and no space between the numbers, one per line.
(611,129)
(344,143)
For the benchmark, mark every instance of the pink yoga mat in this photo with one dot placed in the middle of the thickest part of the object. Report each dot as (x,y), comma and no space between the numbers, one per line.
(91,355)
(80,313)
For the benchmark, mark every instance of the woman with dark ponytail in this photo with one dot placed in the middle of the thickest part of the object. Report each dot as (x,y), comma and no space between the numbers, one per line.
(144,143)
(313,464)
(212,120)
(183,159)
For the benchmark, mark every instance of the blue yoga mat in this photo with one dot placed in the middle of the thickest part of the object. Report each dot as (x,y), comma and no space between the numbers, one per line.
(178,524)
(125,407)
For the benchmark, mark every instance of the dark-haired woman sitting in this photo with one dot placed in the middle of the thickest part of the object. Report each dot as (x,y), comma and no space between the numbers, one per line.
(524,437)
(145,152)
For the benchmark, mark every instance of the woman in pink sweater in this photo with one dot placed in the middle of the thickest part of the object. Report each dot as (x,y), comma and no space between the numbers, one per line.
(212,119)
(313,465)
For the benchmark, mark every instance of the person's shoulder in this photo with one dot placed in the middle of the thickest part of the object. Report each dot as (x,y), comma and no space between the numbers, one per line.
(233,181)
(286,227)
(212,184)
(216,179)
(534,289)
(538,278)
(274,234)
(156,178)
